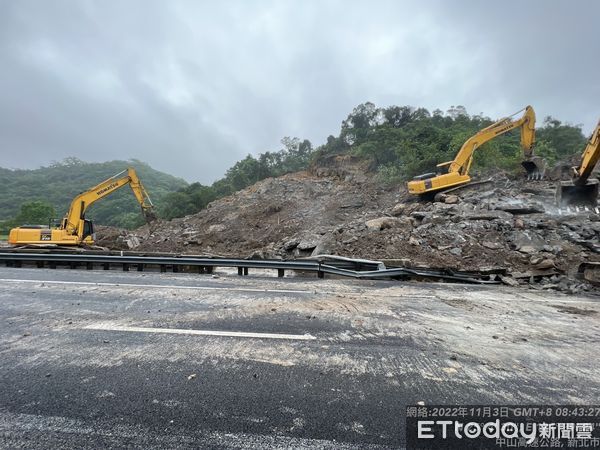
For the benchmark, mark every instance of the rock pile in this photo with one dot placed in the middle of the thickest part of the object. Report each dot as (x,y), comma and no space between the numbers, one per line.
(502,222)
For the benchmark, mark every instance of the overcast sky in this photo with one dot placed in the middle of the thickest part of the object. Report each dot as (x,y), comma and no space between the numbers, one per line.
(191,87)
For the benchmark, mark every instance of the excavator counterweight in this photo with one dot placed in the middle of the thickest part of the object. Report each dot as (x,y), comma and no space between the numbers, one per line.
(581,190)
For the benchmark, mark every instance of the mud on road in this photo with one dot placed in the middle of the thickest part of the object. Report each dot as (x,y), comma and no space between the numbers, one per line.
(91,359)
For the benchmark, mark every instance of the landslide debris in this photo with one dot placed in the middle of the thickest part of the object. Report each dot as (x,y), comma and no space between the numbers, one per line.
(338,208)
(115,238)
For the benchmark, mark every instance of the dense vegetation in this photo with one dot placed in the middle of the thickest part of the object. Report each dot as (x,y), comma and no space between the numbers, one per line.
(403,142)
(34,212)
(399,141)
(31,196)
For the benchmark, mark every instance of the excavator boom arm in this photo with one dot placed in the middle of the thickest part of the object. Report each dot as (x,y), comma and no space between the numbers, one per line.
(462,160)
(73,220)
(589,159)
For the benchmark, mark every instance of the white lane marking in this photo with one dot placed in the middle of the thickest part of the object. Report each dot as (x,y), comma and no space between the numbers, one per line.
(169,286)
(238,334)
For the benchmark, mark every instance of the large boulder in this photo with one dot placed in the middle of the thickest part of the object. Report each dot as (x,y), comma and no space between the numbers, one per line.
(307,243)
(398,209)
(217,228)
(325,246)
(383,223)
(488,215)
(451,199)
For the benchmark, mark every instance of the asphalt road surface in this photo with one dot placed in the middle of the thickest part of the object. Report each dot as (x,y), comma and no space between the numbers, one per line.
(94,359)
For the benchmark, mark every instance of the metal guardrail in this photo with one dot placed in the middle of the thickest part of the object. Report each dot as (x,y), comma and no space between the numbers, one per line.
(340,267)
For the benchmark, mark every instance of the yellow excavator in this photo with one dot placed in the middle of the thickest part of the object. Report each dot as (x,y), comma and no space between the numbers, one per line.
(581,190)
(457,171)
(74,229)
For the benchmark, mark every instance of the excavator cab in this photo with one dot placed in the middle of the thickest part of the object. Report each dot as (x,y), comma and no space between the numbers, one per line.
(88,230)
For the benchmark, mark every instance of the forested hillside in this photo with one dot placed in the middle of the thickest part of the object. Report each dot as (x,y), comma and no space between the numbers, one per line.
(58,183)
(403,142)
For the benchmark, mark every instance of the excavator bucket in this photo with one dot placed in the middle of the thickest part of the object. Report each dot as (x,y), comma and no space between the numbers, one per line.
(149,215)
(535,167)
(570,194)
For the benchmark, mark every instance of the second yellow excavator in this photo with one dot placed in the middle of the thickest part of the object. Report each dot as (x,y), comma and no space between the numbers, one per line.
(581,190)
(457,171)
(74,229)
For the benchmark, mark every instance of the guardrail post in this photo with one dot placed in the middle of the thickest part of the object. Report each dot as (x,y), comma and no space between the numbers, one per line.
(245,271)
(106,266)
(320,273)
(175,268)
(125,267)
(280,273)
(89,266)
(140,267)
(163,268)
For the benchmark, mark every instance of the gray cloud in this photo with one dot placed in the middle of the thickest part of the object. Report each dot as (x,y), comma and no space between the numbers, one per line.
(191,87)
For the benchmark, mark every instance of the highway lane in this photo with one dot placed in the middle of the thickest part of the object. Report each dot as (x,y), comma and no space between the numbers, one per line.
(94,359)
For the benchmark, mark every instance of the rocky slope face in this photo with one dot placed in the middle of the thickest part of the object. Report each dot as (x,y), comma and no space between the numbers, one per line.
(338,209)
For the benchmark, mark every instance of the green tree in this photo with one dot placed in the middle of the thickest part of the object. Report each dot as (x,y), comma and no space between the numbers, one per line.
(176,204)
(557,141)
(35,212)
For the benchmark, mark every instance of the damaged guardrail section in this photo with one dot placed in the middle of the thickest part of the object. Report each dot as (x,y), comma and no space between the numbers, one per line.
(344,267)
